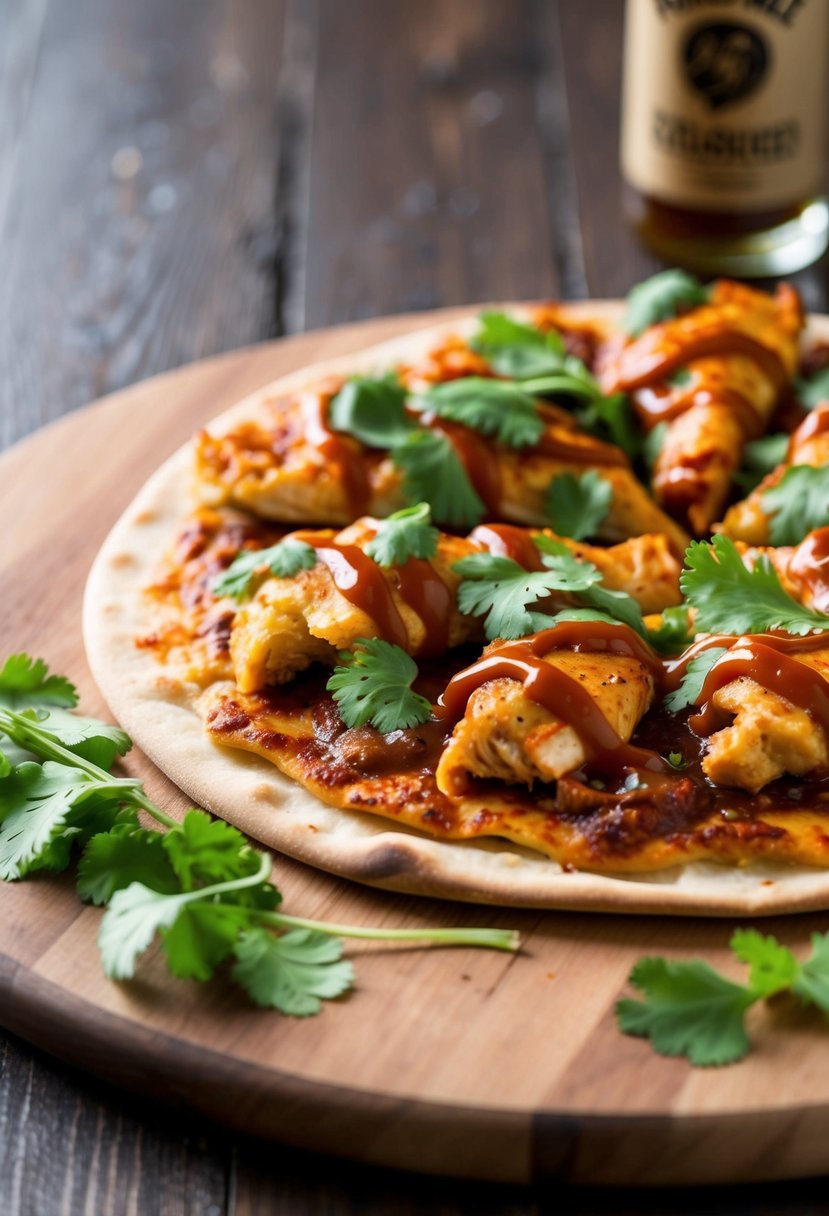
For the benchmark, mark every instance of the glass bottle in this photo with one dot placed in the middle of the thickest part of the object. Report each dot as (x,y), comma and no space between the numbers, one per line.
(724,111)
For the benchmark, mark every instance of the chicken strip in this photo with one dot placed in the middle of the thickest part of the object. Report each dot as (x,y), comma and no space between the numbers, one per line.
(765,710)
(293,622)
(714,376)
(285,464)
(537,709)
(809,445)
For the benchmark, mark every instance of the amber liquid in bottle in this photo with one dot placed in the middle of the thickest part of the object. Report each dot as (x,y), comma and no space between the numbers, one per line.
(723,130)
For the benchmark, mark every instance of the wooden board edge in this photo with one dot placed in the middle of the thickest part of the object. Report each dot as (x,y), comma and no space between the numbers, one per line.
(496,1145)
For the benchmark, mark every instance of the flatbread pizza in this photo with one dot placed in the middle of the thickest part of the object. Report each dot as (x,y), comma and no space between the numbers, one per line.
(526,609)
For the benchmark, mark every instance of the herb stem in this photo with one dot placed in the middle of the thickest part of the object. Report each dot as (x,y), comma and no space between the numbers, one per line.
(497,939)
(28,734)
(140,799)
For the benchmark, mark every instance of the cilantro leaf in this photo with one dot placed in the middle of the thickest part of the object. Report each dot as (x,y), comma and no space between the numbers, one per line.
(97,741)
(517,350)
(112,860)
(433,473)
(202,935)
(652,444)
(585,580)
(499,408)
(674,633)
(798,504)
(27,683)
(688,1010)
(134,916)
(284,559)
(693,680)
(293,972)
(729,598)
(773,967)
(373,410)
(813,391)
(202,850)
(373,684)
(42,807)
(760,457)
(500,590)
(812,982)
(404,534)
(577,506)
(661,296)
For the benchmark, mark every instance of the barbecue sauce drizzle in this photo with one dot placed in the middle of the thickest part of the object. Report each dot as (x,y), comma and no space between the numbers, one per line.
(648,362)
(563,697)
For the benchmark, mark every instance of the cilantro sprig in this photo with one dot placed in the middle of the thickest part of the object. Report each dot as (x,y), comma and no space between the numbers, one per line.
(506,595)
(284,559)
(798,504)
(404,534)
(577,504)
(517,350)
(660,297)
(691,1010)
(433,472)
(195,884)
(730,598)
(373,684)
(498,408)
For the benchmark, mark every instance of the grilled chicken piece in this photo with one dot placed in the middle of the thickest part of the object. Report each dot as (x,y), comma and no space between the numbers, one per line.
(285,465)
(769,735)
(809,444)
(293,622)
(733,356)
(506,736)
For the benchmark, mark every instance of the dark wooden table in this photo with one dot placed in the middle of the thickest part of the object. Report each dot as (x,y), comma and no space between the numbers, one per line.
(181,177)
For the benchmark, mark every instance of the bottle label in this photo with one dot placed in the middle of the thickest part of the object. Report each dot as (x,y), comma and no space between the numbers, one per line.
(724,103)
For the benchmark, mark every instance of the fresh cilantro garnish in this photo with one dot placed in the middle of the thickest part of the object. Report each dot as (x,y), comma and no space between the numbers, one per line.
(812,392)
(293,972)
(373,410)
(373,683)
(674,633)
(42,807)
(284,559)
(498,408)
(760,457)
(504,593)
(729,598)
(693,680)
(652,444)
(691,1010)
(28,683)
(661,296)
(798,504)
(517,350)
(681,378)
(577,505)
(198,884)
(433,473)
(407,533)
(501,591)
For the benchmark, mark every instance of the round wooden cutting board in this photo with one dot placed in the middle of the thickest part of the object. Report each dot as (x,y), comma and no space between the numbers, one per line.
(454,1061)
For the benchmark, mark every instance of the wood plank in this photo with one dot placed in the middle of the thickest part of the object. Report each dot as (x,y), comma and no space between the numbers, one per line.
(426,183)
(142,195)
(581,1103)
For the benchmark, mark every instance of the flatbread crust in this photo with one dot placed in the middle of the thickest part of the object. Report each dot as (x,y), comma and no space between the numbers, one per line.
(253,795)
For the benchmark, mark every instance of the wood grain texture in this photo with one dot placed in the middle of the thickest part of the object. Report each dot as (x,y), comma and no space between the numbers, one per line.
(137,195)
(386,1076)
